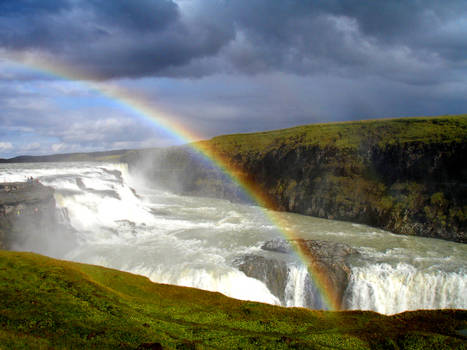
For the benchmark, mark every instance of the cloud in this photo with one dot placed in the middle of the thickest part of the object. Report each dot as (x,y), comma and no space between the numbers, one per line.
(43,117)
(5,146)
(57,147)
(101,130)
(403,40)
(31,147)
(393,39)
(103,39)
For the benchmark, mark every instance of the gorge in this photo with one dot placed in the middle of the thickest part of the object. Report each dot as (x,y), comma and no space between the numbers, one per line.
(173,216)
(114,220)
(407,175)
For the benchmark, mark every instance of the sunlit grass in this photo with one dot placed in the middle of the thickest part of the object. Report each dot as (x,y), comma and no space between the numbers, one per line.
(347,134)
(47,303)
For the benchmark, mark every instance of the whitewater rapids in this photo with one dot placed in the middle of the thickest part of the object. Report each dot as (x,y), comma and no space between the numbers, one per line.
(190,241)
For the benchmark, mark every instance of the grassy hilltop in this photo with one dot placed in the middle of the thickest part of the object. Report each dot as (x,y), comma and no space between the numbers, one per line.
(350,135)
(47,303)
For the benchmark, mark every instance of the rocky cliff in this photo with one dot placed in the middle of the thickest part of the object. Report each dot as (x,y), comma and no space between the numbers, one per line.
(408,175)
(29,217)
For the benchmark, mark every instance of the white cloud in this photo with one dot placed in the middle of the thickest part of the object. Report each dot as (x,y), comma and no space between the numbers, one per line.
(31,146)
(57,147)
(5,146)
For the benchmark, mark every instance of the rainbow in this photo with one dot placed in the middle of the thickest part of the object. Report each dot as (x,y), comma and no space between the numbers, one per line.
(168,124)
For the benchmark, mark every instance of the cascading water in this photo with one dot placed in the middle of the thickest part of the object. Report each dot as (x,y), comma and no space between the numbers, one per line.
(387,289)
(300,290)
(192,241)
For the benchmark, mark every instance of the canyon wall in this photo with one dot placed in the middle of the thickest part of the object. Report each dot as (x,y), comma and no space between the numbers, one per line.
(408,176)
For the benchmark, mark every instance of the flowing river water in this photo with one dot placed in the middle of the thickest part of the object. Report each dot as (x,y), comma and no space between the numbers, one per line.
(191,241)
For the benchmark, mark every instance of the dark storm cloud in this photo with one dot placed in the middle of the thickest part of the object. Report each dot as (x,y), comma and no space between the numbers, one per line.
(415,41)
(143,16)
(408,40)
(31,7)
(50,24)
(106,39)
(389,21)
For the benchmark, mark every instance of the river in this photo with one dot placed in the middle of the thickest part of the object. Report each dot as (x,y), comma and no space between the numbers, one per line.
(190,241)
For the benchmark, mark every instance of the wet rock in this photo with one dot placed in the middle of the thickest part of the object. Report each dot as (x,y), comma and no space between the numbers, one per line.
(80,184)
(277,245)
(319,248)
(116,173)
(273,272)
(328,260)
(29,218)
(103,193)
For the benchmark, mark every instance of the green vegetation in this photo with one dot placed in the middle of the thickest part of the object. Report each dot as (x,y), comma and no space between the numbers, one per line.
(47,303)
(348,135)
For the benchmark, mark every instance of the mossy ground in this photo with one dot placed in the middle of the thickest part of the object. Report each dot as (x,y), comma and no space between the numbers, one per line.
(47,303)
(347,135)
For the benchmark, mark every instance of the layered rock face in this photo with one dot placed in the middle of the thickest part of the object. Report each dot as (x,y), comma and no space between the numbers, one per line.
(326,261)
(414,188)
(28,215)
(408,176)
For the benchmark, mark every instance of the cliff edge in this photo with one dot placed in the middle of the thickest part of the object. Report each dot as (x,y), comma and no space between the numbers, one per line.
(407,176)
(28,215)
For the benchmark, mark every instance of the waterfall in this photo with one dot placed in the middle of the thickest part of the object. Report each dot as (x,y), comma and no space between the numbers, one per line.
(301,291)
(391,289)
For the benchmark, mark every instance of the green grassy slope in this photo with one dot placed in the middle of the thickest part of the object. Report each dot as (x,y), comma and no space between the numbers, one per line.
(348,135)
(47,303)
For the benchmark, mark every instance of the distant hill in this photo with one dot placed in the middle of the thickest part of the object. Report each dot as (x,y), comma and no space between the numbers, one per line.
(69,157)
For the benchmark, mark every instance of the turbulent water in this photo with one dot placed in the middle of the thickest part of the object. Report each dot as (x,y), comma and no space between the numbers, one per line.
(191,241)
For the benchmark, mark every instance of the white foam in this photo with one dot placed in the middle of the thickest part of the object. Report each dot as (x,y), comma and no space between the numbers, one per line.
(295,292)
(391,289)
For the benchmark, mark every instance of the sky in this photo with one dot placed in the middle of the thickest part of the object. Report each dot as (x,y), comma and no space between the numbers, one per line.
(219,67)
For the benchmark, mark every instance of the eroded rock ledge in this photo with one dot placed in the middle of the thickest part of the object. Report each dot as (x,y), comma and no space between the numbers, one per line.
(329,259)
(28,213)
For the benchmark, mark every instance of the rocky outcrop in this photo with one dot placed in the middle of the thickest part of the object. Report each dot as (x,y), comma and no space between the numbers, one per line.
(326,261)
(102,193)
(28,216)
(272,272)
